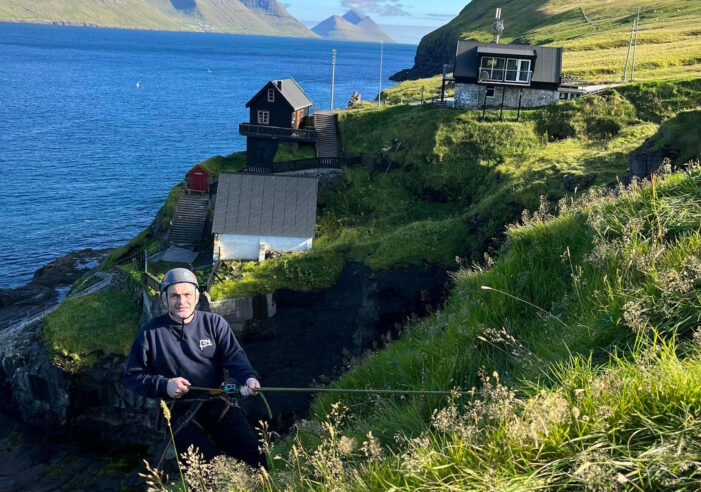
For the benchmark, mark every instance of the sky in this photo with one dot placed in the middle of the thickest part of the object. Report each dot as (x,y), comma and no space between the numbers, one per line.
(405,21)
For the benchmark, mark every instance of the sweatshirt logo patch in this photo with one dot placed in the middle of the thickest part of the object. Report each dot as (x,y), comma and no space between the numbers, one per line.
(205,342)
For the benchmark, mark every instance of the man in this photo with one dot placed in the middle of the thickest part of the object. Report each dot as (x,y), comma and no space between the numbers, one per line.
(186,348)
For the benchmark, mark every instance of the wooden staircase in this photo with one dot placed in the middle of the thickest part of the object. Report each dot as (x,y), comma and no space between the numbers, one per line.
(188,221)
(326,143)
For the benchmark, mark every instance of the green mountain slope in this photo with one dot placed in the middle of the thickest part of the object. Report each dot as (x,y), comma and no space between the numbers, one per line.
(594,36)
(265,17)
(580,342)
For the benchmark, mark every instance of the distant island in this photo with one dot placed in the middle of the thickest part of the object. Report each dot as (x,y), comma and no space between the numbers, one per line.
(352,26)
(253,17)
(261,17)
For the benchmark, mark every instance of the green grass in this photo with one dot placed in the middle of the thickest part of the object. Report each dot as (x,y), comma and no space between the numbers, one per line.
(229,164)
(293,152)
(583,352)
(410,90)
(668,42)
(83,328)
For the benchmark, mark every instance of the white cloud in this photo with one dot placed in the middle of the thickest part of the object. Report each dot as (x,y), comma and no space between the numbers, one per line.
(390,8)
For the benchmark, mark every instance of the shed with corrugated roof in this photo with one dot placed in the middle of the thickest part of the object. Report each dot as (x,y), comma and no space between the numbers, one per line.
(254,213)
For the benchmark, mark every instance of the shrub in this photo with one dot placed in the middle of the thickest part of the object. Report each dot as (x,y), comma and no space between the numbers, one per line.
(81,328)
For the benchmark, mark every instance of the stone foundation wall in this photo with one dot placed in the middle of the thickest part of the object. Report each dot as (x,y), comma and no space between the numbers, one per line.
(471,96)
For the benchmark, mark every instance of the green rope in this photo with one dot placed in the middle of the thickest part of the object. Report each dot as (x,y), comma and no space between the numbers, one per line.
(274,389)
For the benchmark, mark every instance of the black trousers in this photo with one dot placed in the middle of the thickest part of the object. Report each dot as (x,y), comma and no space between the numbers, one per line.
(215,434)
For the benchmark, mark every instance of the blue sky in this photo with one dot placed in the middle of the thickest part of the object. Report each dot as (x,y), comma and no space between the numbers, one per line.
(406,21)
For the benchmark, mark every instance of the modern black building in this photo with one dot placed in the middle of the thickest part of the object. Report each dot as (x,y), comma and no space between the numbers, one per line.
(276,114)
(512,75)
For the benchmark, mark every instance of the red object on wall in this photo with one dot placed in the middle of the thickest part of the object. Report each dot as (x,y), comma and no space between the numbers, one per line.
(197,179)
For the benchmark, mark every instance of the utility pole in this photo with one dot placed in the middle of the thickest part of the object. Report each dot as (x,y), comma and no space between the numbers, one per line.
(333,74)
(498,25)
(635,46)
(630,43)
(379,93)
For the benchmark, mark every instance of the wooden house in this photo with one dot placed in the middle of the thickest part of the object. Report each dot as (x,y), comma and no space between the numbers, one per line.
(198,179)
(258,212)
(276,114)
(506,75)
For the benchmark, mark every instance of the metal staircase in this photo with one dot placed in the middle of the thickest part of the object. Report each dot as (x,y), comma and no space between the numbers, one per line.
(326,143)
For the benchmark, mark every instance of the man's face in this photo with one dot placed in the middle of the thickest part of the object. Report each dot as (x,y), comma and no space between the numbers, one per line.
(181,300)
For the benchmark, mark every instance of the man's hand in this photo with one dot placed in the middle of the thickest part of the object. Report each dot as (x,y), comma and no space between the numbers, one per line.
(250,388)
(177,387)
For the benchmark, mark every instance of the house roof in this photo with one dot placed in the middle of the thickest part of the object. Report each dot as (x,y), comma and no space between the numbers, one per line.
(289,89)
(198,168)
(505,50)
(265,205)
(547,67)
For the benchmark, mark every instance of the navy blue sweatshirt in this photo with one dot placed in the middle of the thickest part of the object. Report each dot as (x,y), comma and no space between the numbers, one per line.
(198,351)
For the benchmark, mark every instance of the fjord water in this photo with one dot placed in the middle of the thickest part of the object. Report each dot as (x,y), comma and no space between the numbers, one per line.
(96,125)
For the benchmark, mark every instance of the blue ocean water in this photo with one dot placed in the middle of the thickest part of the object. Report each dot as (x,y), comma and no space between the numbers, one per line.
(96,125)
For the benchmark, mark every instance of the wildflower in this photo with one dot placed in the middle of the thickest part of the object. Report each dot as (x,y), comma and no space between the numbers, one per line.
(166,410)
(371,448)
(346,445)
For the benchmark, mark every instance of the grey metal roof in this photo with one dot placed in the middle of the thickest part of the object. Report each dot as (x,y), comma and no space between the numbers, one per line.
(290,90)
(505,50)
(265,205)
(547,66)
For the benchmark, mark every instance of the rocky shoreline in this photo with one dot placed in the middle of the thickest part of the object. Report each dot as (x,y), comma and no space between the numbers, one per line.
(48,286)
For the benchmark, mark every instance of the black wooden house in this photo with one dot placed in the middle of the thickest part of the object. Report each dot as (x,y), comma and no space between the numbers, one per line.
(276,114)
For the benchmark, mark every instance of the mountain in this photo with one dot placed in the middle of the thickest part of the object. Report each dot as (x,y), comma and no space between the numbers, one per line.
(276,15)
(263,17)
(352,26)
(581,27)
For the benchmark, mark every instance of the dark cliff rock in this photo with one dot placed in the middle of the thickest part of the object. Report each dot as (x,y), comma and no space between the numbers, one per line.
(435,49)
(69,268)
(316,335)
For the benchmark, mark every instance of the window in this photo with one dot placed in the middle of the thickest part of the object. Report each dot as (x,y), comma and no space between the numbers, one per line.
(492,68)
(263,117)
(505,70)
(271,95)
(490,91)
(518,70)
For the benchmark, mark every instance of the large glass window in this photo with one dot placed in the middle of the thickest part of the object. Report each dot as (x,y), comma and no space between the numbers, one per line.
(518,70)
(497,69)
(492,68)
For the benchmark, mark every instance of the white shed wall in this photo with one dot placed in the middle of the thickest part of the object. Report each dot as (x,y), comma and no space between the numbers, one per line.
(244,247)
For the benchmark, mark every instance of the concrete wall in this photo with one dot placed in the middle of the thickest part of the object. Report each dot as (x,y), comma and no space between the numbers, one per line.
(471,96)
(243,247)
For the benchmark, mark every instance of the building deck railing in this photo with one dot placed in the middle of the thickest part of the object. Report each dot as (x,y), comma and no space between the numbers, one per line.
(504,76)
(277,132)
(304,164)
